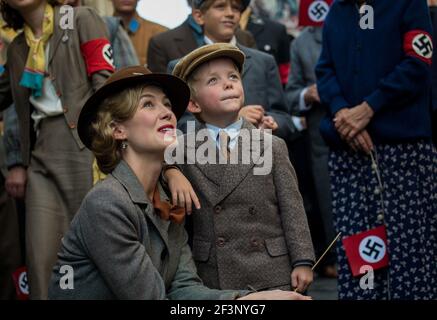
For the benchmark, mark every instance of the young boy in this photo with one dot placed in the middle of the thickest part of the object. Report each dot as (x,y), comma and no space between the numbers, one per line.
(251,231)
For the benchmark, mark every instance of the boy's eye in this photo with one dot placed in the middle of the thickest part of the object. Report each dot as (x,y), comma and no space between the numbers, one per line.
(234,76)
(212,81)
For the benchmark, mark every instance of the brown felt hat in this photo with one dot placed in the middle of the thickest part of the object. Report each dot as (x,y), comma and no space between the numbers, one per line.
(176,90)
(191,61)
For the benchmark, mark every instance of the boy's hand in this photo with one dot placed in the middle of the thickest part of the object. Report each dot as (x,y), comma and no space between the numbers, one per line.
(182,193)
(275,295)
(301,278)
(253,113)
(269,122)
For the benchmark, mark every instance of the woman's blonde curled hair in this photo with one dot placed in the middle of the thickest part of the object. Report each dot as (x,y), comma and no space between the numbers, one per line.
(114,109)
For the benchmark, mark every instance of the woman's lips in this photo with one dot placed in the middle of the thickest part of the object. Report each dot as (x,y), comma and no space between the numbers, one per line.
(166,129)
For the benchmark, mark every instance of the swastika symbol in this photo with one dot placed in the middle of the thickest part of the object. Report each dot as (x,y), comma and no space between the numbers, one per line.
(318,10)
(23,284)
(372,249)
(108,54)
(422,45)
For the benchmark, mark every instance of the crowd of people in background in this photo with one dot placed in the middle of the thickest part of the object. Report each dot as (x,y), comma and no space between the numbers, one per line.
(352,112)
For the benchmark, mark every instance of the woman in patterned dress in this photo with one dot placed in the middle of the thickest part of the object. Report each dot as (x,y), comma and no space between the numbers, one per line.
(375,81)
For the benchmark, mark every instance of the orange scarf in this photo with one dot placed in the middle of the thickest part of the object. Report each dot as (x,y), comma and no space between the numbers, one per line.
(167,211)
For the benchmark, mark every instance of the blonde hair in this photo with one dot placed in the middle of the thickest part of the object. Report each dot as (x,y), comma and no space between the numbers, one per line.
(116,108)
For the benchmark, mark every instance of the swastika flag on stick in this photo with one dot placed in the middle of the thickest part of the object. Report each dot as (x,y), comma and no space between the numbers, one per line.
(313,12)
(21,283)
(367,248)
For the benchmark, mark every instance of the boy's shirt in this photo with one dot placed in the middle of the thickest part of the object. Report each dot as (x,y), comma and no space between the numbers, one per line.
(233,131)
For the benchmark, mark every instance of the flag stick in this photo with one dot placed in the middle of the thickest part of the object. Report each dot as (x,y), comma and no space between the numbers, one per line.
(324,253)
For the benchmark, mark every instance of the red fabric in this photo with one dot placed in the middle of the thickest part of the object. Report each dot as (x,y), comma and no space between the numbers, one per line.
(284,69)
(313,12)
(98,55)
(359,246)
(418,44)
(21,283)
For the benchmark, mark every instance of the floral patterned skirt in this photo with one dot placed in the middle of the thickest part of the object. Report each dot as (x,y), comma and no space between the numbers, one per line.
(409,179)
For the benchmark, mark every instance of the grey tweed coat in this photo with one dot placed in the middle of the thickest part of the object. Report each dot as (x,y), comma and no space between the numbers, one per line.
(251,229)
(118,248)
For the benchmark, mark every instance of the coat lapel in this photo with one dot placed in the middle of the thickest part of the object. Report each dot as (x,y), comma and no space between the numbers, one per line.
(256,26)
(248,61)
(57,36)
(124,174)
(184,40)
(234,174)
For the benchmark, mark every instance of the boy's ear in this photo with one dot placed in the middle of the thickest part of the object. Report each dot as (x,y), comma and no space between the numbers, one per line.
(198,17)
(193,107)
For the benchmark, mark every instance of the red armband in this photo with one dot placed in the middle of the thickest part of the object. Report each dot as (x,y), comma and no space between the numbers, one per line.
(418,44)
(98,55)
(284,69)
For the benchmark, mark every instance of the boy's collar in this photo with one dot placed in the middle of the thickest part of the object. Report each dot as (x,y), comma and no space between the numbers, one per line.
(233,126)
(209,41)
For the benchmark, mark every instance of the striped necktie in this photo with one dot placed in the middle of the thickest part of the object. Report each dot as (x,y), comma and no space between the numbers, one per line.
(224,143)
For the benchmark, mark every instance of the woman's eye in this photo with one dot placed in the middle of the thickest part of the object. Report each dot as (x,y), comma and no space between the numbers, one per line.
(148,104)
(212,81)
(233,77)
(168,105)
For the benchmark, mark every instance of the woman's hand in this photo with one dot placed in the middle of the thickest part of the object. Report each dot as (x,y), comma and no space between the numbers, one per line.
(275,295)
(361,142)
(182,193)
(349,122)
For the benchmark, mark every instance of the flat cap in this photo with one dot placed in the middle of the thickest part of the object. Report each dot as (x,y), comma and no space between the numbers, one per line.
(195,58)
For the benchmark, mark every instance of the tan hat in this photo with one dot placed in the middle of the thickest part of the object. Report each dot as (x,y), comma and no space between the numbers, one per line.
(176,90)
(191,61)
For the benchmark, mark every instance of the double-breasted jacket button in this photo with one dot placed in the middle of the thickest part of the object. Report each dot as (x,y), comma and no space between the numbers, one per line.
(217,209)
(254,242)
(221,241)
(252,210)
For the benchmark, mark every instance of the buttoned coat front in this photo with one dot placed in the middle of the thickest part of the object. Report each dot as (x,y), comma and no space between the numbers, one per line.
(252,227)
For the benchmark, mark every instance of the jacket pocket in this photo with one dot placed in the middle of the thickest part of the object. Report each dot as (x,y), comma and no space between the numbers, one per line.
(276,246)
(201,249)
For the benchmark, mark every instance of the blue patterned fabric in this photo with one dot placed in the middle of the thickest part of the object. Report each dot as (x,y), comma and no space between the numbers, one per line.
(409,178)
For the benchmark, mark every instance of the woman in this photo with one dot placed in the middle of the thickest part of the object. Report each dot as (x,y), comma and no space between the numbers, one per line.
(383,164)
(51,70)
(127,241)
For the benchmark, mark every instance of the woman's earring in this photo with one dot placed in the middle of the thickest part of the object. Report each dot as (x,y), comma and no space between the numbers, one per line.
(124,145)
